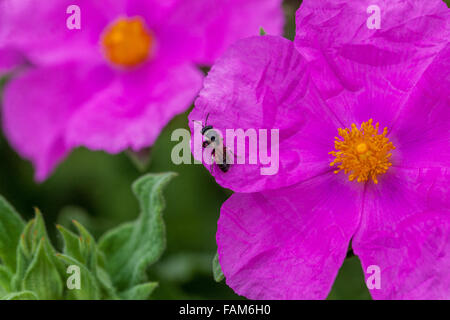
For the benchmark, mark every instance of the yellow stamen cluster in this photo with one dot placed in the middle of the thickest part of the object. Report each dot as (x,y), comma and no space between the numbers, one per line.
(127,42)
(362,153)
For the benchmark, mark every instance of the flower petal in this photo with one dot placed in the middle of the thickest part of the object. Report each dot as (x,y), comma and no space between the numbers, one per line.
(39,29)
(422,132)
(263,83)
(39,104)
(368,73)
(405,231)
(9,60)
(288,243)
(210,26)
(134,108)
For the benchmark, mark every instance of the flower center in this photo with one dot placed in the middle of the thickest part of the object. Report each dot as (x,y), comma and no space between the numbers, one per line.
(362,153)
(127,42)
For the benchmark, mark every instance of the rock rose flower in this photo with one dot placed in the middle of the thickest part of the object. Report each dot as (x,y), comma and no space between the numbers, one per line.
(115,82)
(364,120)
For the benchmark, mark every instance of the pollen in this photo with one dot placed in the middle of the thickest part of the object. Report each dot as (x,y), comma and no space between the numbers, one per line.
(127,42)
(362,153)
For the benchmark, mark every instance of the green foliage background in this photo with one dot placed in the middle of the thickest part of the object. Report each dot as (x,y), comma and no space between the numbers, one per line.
(94,188)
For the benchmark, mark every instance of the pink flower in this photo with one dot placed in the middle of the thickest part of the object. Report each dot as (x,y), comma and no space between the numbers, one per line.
(343,177)
(114,83)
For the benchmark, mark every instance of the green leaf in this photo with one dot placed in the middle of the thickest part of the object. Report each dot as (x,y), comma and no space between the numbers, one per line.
(140,292)
(11,226)
(106,285)
(82,248)
(42,276)
(89,289)
(132,247)
(88,247)
(71,243)
(217,269)
(34,231)
(22,295)
(82,252)
(32,235)
(5,278)
(262,32)
(23,261)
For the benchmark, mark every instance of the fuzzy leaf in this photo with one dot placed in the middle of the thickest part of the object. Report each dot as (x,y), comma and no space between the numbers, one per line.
(22,295)
(23,261)
(106,285)
(42,276)
(88,247)
(71,243)
(140,292)
(217,269)
(262,32)
(81,251)
(82,248)
(32,235)
(89,290)
(11,226)
(132,247)
(5,278)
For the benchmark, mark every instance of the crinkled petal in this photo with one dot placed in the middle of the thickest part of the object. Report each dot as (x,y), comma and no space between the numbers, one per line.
(134,108)
(39,104)
(368,73)
(263,83)
(405,231)
(210,26)
(288,243)
(422,132)
(39,30)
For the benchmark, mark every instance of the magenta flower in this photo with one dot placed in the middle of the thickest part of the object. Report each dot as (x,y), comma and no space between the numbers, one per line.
(115,82)
(364,119)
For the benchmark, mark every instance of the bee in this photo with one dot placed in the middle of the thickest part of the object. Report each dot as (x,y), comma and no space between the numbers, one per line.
(219,152)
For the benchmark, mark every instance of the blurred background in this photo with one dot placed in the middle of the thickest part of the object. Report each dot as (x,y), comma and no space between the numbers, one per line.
(95,189)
